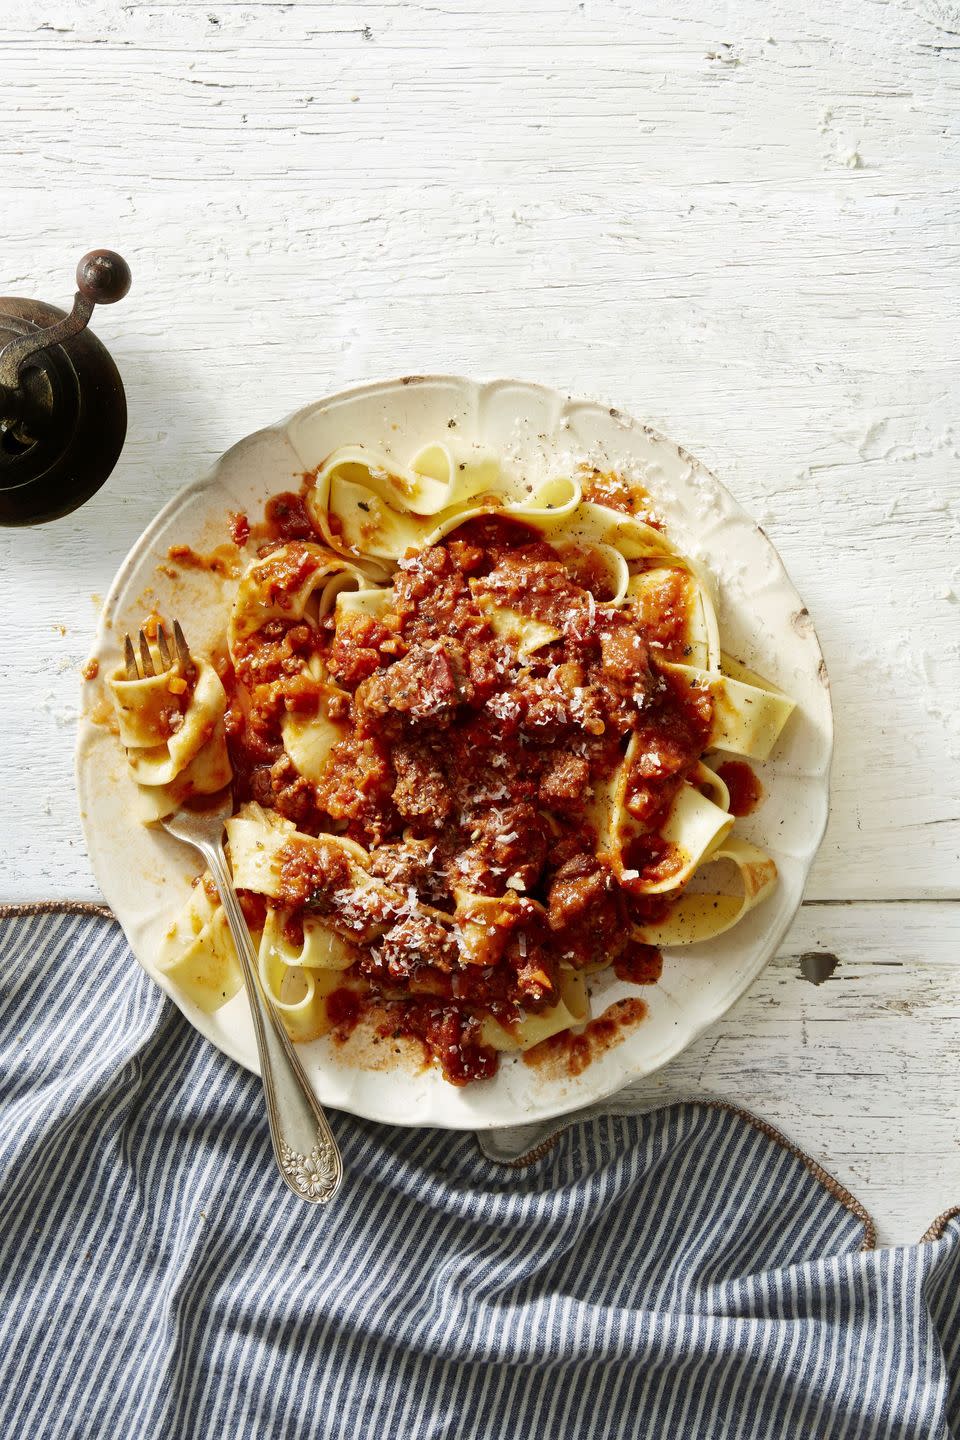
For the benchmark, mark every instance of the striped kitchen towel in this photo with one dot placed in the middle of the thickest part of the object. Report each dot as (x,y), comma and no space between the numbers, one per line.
(682,1273)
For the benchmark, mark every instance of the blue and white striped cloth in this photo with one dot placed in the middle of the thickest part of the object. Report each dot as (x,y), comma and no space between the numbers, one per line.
(676,1274)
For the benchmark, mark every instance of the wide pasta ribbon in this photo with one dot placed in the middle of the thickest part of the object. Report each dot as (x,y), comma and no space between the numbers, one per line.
(748,712)
(197,953)
(299,979)
(175,750)
(702,915)
(382,508)
(258,839)
(570,1011)
(694,826)
(297,581)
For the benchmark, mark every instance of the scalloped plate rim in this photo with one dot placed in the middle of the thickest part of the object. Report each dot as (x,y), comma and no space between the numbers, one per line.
(564,1103)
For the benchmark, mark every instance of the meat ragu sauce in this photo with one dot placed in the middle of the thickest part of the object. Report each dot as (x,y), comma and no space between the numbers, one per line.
(462,769)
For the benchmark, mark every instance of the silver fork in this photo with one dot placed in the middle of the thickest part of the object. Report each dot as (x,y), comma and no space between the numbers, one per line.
(303,1142)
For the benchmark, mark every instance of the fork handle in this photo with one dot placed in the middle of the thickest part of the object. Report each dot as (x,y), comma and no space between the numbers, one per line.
(303,1142)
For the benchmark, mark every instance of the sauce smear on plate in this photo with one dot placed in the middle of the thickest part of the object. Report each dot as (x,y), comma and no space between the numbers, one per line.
(745,789)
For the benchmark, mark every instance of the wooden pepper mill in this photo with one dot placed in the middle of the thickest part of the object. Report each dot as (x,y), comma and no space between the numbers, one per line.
(63,412)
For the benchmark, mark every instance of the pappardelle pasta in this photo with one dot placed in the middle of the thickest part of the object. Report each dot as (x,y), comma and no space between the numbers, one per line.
(172,726)
(467,727)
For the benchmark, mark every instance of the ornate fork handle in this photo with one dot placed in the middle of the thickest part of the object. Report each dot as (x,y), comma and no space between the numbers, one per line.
(303,1142)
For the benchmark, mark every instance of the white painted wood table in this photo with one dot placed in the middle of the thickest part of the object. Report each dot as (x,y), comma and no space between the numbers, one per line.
(743,229)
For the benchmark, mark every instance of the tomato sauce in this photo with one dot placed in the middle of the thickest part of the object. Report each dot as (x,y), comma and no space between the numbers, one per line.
(344,1010)
(285,518)
(639,964)
(221,561)
(744,786)
(570,1052)
(450,1035)
(254,909)
(617,492)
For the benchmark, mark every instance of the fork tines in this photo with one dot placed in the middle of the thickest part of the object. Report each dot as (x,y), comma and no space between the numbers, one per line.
(146,666)
(186,660)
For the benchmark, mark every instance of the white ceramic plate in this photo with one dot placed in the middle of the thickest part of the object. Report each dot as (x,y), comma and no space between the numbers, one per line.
(145,875)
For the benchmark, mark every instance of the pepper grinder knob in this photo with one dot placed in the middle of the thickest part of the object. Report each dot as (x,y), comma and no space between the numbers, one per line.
(103,277)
